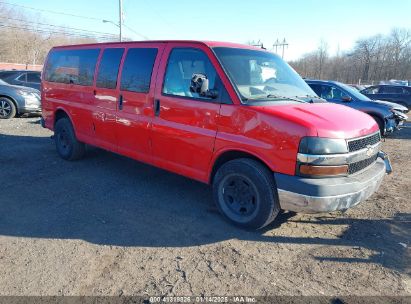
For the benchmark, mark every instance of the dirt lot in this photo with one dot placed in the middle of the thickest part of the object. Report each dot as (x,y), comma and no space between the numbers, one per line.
(107,225)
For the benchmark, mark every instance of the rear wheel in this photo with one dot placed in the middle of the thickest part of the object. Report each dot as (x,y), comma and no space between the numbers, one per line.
(67,145)
(7,108)
(246,194)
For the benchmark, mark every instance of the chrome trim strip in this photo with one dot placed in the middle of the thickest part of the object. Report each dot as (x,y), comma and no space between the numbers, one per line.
(361,137)
(339,159)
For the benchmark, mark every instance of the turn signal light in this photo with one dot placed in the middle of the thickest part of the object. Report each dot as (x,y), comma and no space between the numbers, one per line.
(323,170)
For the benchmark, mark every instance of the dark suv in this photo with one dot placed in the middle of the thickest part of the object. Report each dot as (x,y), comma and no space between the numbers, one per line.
(396,93)
(23,78)
(389,116)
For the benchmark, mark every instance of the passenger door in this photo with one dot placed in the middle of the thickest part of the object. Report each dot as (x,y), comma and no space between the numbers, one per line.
(185,124)
(135,104)
(106,93)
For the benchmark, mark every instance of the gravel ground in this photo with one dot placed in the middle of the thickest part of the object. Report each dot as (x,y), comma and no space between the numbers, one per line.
(108,225)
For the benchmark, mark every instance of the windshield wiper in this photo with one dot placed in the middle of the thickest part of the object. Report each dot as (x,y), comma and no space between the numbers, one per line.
(286,98)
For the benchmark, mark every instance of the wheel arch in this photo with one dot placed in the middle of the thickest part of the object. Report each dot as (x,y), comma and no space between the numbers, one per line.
(12,100)
(63,113)
(224,156)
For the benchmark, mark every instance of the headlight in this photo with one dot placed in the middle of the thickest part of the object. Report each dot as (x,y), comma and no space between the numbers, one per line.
(30,98)
(318,146)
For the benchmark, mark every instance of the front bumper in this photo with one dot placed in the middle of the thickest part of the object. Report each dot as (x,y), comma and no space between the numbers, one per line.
(30,109)
(309,195)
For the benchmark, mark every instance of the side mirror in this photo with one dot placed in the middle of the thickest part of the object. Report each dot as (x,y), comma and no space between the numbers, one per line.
(346,98)
(200,84)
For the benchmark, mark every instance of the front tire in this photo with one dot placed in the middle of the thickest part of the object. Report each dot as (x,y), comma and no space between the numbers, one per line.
(246,194)
(7,108)
(67,145)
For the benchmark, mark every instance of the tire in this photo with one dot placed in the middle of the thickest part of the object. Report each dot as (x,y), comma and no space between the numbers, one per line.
(7,108)
(246,194)
(67,145)
(380,123)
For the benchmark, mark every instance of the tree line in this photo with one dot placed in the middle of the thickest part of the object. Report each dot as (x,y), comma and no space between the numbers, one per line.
(27,39)
(371,60)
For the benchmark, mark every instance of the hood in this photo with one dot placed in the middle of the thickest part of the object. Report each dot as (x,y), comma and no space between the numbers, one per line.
(324,119)
(392,105)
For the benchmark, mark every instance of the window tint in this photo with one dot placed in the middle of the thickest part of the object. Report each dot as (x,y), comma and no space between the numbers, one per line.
(328,92)
(391,90)
(182,64)
(371,90)
(72,66)
(316,88)
(22,77)
(33,77)
(137,69)
(108,70)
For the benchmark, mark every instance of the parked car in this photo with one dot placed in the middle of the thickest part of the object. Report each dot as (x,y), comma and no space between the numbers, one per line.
(17,100)
(24,78)
(233,116)
(388,116)
(395,93)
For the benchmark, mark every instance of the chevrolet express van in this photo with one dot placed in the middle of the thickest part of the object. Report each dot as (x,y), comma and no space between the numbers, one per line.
(233,116)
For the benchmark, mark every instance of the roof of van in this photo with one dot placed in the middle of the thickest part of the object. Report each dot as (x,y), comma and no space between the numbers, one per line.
(210,44)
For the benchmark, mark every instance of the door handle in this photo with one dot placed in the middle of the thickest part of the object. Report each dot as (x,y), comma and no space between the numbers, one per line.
(120,102)
(156,107)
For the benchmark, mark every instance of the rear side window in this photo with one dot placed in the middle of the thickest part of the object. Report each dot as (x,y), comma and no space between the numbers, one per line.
(108,70)
(22,77)
(391,90)
(72,66)
(137,70)
(33,77)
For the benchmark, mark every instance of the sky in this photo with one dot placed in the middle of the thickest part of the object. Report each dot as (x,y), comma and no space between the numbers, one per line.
(304,24)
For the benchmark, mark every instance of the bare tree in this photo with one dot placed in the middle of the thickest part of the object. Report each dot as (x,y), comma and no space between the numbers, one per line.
(371,60)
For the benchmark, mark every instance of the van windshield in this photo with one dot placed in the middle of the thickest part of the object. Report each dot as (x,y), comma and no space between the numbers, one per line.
(260,75)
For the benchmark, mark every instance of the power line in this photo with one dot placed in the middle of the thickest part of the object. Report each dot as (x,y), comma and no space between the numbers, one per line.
(50,11)
(45,31)
(141,35)
(68,14)
(57,26)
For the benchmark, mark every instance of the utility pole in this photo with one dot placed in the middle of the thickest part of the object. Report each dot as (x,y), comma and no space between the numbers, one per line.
(281,45)
(120,23)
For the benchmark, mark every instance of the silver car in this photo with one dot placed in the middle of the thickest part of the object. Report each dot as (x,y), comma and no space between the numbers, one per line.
(17,100)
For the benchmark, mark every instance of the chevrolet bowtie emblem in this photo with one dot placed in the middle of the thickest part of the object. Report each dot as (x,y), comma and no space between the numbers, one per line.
(370,150)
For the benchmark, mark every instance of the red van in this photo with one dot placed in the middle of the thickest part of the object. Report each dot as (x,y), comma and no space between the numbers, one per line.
(234,116)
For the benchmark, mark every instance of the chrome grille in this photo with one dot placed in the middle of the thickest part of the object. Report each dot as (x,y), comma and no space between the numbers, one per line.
(362,143)
(362,164)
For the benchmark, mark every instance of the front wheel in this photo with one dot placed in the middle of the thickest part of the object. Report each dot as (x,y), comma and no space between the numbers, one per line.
(246,194)
(7,108)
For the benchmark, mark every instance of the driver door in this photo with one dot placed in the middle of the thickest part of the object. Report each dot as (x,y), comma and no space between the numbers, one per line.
(185,124)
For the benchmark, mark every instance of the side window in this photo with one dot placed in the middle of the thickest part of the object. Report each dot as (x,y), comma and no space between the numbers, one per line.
(371,90)
(72,66)
(392,90)
(33,77)
(326,92)
(22,77)
(316,88)
(108,70)
(337,93)
(137,70)
(182,64)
